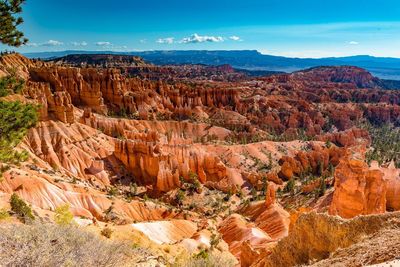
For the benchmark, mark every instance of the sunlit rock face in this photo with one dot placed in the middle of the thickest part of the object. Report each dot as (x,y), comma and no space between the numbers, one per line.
(358,190)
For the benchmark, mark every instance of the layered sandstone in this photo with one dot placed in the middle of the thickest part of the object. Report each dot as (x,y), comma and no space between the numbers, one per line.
(162,165)
(358,190)
(42,191)
(74,148)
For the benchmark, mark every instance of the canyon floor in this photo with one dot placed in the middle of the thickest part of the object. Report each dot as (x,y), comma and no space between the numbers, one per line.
(194,165)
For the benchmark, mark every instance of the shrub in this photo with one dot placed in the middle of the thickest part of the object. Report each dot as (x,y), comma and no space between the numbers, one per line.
(254,194)
(203,254)
(289,187)
(322,187)
(264,188)
(195,184)
(112,191)
(214,240)
(206,259)
(133,189)
(53,245)
(11,84)
(328,144)
(107,232)
(4,214)
(3,169)
(63,215)
(180,196)
(21,208)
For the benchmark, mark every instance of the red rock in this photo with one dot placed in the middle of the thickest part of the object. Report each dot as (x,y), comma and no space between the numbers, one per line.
(358,190)
(347,138)
(392,177)
(310,161)
(243,238)
(161,165)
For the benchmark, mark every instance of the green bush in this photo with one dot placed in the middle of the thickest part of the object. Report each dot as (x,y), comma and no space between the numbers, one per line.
(112,191)
(264,188)
(206,259)
(180,196)
(289,187)
(4,214)
(16,118)
(11,84)
(63,215)
(195,184)
(3,169)
(322,187)
(21,208)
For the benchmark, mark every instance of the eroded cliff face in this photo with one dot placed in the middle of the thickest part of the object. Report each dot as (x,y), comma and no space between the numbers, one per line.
(107,89)
(392,176)
(232,163)
(17,63)
(358,190)
(77,149)
(248,241)
(163,165)
(317,236)
(318,160)
(49,190)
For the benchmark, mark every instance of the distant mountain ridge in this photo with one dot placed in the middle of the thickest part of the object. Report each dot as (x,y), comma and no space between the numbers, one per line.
(382,67)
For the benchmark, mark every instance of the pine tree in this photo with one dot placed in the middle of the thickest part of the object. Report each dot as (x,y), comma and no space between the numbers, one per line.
(9,21)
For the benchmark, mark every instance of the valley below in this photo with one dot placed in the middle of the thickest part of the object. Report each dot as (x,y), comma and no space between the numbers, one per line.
(195,165)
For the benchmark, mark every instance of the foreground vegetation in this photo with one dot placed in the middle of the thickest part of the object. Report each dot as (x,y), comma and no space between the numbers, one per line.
(54,245)
(15,120)
(206,259)
(11,84)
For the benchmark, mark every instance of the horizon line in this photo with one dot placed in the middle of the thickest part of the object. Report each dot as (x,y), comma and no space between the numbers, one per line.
(205,50)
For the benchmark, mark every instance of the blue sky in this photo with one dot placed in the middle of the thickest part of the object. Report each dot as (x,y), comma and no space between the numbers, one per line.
(299,28)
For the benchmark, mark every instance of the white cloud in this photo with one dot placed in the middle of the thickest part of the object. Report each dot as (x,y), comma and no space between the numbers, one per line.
(143,41)
(103,44)
(48,43)
(79,43)
(111,46)
(195,38)
(235,38)
(168,40)
(32,44)
(52,43)
(353,43)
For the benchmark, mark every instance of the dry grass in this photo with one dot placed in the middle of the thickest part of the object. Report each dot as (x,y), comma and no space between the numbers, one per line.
(54,245)
(212,259)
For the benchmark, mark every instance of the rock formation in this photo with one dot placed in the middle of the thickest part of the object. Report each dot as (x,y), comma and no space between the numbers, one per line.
(315,236)
(358,190)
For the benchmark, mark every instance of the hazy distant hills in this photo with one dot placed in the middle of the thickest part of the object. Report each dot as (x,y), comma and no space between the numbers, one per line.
(382,67)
